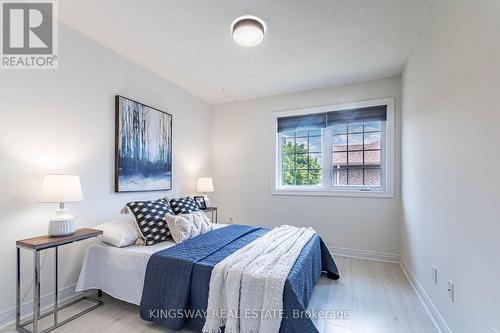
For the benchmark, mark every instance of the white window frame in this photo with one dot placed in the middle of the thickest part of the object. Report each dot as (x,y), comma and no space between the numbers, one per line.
(387,156)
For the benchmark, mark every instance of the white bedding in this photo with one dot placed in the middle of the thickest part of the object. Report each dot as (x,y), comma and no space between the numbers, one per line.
(118,272)
(254,278)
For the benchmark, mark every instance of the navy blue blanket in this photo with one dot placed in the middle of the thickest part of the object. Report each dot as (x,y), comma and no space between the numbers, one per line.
(175,293)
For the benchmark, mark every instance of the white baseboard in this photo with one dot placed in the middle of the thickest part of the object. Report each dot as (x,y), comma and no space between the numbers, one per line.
(422,295)
(8,317)
(367,255)
(426,301)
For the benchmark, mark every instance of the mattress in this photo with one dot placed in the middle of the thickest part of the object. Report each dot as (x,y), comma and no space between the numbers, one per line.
(119,272)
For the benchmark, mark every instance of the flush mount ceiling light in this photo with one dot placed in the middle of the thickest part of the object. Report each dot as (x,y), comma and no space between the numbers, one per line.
(248,30)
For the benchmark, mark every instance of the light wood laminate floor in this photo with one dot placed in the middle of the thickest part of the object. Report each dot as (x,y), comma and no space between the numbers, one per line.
(375,295)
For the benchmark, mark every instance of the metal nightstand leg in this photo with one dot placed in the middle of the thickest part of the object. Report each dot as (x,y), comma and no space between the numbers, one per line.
(36,297)
(56,288)
(18,286)
(36,290)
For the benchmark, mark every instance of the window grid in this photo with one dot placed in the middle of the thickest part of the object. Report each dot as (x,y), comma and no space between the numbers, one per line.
(347,150)
(295,169)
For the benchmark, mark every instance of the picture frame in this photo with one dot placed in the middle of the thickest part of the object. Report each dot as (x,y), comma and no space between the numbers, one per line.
(143,147)
(200,201)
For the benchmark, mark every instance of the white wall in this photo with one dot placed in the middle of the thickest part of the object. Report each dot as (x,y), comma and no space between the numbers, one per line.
(242,166)
(62,121)
(451,161)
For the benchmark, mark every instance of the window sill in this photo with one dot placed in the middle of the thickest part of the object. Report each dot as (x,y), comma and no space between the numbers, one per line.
(333,193)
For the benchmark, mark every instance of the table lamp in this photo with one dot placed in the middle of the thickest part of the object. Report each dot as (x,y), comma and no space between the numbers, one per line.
(61,189)
(205,185)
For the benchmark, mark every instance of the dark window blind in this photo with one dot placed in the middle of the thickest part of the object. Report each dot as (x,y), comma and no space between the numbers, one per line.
(325,119)
(307,121)
(372,113)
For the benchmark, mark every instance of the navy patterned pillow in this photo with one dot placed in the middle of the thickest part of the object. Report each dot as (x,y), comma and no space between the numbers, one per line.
(184,205)
(150,218)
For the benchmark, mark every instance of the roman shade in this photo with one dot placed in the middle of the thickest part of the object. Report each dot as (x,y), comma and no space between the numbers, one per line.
(325,119)
(307,121)
(372,113)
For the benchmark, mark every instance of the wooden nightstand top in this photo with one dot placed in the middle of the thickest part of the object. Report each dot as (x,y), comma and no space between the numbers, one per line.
(45,241)
(210,209)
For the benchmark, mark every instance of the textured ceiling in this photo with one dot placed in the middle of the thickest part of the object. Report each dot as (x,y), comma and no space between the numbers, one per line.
(309,44)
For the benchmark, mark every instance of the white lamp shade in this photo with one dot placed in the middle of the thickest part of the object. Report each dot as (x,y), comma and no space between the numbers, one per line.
(205,185)
(61,188)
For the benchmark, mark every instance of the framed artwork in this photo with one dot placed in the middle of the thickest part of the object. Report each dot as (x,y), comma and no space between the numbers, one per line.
(143,140)
(200,200)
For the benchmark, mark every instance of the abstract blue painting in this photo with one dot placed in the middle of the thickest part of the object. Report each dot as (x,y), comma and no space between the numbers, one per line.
(143,147)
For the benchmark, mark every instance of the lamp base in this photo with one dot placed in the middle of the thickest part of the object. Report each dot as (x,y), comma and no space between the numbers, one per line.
(63,224)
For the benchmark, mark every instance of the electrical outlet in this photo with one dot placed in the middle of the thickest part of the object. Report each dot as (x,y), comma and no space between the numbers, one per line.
(451,291)
(231,220)
(435,275)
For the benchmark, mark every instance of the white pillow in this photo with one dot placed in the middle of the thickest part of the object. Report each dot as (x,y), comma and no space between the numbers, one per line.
(185,226)
(119,233)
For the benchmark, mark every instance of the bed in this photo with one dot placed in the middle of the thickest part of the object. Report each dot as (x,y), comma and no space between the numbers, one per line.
(119,271)
(167,276)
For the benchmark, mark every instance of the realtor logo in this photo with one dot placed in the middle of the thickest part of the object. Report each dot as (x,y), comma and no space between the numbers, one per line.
(29,34)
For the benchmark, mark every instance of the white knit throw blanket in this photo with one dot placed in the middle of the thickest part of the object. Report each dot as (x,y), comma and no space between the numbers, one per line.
(246,288)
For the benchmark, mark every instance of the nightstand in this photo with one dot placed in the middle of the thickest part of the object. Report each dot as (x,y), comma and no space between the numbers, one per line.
(212,210)
(36,245)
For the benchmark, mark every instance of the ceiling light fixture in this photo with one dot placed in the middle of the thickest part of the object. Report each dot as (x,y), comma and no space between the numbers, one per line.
(248,30)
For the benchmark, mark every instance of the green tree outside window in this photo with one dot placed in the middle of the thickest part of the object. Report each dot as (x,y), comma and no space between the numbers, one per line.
(298,167)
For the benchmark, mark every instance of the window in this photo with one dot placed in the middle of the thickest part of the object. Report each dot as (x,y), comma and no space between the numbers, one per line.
(337,150)
(301,159)
(356,153)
